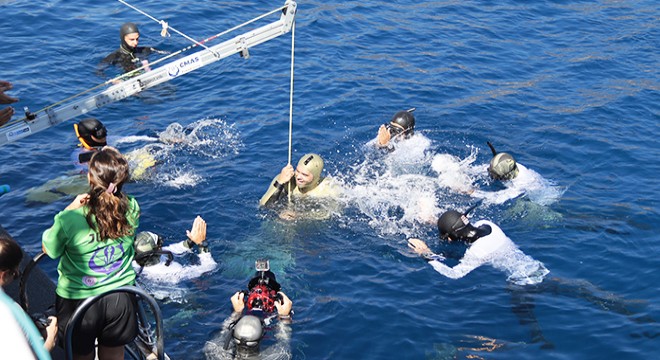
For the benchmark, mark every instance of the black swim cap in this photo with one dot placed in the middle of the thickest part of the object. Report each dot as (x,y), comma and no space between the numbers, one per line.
(406,120)
(127,28)
(89,127)
(451,223)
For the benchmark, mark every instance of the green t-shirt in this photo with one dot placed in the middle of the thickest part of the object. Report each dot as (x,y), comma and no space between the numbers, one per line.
(89,266)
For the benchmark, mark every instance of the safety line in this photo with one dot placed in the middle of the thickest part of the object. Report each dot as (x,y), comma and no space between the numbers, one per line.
(163,23)
(293,42)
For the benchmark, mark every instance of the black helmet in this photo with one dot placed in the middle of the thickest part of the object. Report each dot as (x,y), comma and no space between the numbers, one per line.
(451,223)
(406,120)
(89,127)
(127,28)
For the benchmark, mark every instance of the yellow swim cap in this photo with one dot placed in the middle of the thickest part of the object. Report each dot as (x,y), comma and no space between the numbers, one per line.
(314,164)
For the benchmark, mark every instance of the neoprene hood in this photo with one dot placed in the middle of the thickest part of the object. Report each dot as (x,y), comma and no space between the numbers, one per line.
(406,120)
(127,28)
(314,164)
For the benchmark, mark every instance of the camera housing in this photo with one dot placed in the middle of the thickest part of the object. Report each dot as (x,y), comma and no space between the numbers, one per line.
(262,265)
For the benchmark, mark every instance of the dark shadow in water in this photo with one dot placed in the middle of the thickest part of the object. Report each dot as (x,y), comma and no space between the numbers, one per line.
(522,299)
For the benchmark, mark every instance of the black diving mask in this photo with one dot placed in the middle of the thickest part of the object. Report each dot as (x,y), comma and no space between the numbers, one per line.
(396,131)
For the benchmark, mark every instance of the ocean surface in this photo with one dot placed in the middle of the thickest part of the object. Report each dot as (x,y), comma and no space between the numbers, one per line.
(569,88)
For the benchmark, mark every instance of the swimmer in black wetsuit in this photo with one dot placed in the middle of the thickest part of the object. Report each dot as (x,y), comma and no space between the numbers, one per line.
(129,56)
(241,334)
(402,126)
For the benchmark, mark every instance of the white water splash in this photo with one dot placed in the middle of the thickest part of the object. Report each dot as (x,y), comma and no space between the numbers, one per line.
(393,189)
(405,190)
(528,183)
(457,174)
(462,175)
(171,149)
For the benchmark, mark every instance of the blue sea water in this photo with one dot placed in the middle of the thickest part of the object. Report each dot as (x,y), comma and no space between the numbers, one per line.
(571,89)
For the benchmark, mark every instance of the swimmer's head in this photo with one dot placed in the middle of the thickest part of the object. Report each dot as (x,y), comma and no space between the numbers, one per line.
(503,167)
(452,225)
(247,334)
(91,133)
(147,246)
(129,34)
(308,171)
(402,124)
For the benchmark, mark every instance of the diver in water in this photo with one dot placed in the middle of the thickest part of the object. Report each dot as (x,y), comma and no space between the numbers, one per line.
(92,135)
(241,334)
(155,263)
(487,245)
(502,166)
(129,56)
(517,180)
(402,126)
(305,181)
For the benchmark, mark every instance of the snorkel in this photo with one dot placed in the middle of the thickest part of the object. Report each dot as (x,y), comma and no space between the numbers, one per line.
(148,249)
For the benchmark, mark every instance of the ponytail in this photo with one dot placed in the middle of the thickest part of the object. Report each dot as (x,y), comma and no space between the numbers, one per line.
(108,170)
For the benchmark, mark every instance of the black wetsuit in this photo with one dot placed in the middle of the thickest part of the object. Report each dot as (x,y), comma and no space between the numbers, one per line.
(128,60)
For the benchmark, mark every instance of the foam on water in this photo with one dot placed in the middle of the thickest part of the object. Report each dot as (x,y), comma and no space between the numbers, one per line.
(205,138)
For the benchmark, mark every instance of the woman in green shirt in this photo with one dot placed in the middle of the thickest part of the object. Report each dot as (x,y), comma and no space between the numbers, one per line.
(93,237)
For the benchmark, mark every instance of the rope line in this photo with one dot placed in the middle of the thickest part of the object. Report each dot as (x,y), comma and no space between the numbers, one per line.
(161,22)
(293,42)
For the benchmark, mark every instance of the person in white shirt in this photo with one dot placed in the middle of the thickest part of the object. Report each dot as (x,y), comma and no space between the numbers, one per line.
(155,264)
(487,245)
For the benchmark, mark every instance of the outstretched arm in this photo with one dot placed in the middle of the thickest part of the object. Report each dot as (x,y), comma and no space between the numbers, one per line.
(468,263)
(197,236)
(282,331)
(422,249)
